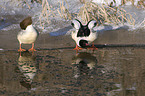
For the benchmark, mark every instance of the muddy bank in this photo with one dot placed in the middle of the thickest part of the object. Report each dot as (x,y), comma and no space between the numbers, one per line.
(45,41)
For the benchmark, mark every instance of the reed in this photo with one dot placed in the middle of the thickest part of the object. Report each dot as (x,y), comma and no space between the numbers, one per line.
(46,12)
(142,23)
(105,14)
(90,10)
(27,4)
(141,4)
(63,11)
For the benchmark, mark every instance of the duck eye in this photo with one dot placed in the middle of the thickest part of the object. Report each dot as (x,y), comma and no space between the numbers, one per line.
(92,24)
(72,24)
(95,24)
(76,24)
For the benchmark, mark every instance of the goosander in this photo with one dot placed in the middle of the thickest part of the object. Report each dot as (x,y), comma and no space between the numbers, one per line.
(84,35)
(28,34)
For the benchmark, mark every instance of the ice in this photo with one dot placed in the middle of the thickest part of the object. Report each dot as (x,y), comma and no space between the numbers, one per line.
(1,49)
(117,3)
(128,3)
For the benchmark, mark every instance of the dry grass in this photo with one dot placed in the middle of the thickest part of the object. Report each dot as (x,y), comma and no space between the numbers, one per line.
(89,10)
(46,12)
(142,23)
(63,11)
(140,3)
(102,14)
(105,14)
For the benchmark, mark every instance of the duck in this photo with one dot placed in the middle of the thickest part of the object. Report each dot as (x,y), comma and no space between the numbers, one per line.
(83,63)
(28,34)
(84,35)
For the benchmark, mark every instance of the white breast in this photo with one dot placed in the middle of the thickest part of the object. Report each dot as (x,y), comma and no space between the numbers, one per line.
(27,36)
(90,38)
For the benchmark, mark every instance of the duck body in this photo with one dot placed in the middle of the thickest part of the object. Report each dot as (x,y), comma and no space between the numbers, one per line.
(28,34)
(84,35)
(90,38)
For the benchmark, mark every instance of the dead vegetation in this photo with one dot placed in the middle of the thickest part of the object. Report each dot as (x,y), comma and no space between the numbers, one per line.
(105,14)
(89,10)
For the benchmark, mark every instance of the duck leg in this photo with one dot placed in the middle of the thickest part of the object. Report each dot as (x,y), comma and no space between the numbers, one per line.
(77,48)
(20,49)
(92,47)
(32,49)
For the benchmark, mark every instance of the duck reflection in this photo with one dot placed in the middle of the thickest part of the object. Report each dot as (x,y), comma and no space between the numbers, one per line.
(27,66)
(84,63)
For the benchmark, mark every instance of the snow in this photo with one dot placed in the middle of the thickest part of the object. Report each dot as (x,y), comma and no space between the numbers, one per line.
(118,2)
(1,49)
(18,7)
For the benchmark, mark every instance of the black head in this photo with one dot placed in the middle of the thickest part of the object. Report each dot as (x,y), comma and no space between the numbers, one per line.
(84,43)
(83,30)
(83,68)
(27,21)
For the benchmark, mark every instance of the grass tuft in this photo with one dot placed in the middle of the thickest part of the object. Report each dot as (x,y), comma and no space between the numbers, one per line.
(63,11)
(105,14)
(89,10)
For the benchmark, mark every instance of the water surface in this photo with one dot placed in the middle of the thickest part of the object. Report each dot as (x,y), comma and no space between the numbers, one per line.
(117,68)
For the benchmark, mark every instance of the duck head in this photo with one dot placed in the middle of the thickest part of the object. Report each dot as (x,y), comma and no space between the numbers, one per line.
(83,30)
(26,22)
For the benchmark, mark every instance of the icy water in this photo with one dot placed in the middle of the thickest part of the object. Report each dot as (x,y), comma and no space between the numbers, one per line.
(117,68)
(106,72)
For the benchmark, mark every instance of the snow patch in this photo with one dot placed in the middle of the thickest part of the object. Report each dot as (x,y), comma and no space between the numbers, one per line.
(1,49)
(14,7)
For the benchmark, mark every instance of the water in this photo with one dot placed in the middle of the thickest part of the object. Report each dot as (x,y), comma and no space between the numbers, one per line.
(106,72)
(115,69)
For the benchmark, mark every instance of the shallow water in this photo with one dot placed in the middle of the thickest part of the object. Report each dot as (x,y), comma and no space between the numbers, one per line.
(106,72)
(117,68)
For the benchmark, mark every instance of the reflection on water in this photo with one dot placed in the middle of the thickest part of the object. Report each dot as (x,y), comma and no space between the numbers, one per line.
(27,66)
(106,72)
(84,63)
